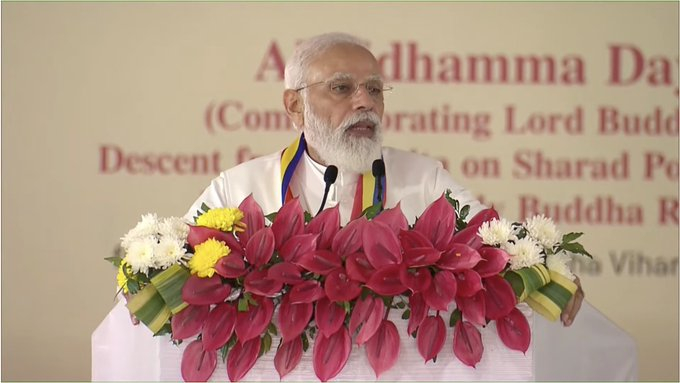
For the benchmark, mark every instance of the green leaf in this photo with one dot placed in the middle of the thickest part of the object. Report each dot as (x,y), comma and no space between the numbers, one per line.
(371,211)
(243,305)
(115,260)
(224,351)
(251,300)
(575,247)
(406,314)
(464,211)
(205,207)
(266,344)
(166,329)
(401,304)
(308,217)
(133,286)
(347,307)
(569,237)
(271,216)
(456,315)
(305,342)
(272,329)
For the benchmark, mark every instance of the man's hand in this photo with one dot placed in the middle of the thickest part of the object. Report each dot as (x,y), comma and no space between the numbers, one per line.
(574,305)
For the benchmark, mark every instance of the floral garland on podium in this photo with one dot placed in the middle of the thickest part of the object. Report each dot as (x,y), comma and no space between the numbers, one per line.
(217,283)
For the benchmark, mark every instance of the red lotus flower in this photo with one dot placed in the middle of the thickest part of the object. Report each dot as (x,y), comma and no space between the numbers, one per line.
(459,257)
(231,266)
(320,262)
(293,318)
(288,356)
(285,272)
(297,246)
(328,316)
(514,331)
(257,282)
(242,358)
(189,321)
(375,315)
(484,215)
(382,350)
(416,280)
(252,323)
(327,225)
(198,364)
(468,282)
(467,343)
(381,245)
(348,239)
(200,234)
(442,291)
(219,326)
(205,291)
(394,218)
(473,308)
(438,223)
(493,261)
(306,292)
(289,221)
(339,287)
(418,312)
(386,281)
(260,248)
(331,353)
(499,296)
(468,236)
(358,268)
(253,218)
(431,337)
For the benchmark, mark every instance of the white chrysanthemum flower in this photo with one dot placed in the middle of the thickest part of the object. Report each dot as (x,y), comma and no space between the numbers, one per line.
(173,227)
(148,226)
(496,232)
(560,263)
(524,252)
(543,230)
(140,254)
(168,252)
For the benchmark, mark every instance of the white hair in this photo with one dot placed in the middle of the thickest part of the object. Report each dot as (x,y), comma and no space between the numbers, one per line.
(296,68)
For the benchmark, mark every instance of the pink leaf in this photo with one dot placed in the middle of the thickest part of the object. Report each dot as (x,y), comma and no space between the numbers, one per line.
(358,268)
(386,281)
(288,356)
(339,287)
(231,266)
(394,218)
(514,331)
(467,343)
(200,234)
(410,239)
(416,280)
(253,218)
(306,292)
(297,246)
(493,261)
(285,272)
(469,283)
(438,223)
(219,326)
(330,354)
(484,216)
(473,308)
(381,245)
(320,262)
(198,364)
(348,239)
(442,291)
(372,322)
(242,358)
(362,309)
(328,316)
(205,291)
(289,221)
(418,312)
(189,321)
(258,283)
(260,247)
(431,337)
(327,224)
(421,256)
(459,257)
(499,296)
(252,323)
(468,236)
(382,350)
(293,318)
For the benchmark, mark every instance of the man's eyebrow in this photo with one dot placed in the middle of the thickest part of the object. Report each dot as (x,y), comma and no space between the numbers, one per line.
(346,76)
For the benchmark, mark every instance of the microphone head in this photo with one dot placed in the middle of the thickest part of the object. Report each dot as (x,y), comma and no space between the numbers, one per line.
(378,168)
(331,174)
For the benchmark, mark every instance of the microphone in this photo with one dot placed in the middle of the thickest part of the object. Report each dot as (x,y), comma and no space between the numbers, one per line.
(378,170)
(329,177)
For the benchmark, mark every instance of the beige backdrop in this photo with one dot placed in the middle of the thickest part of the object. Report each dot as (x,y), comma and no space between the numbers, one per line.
(176,91)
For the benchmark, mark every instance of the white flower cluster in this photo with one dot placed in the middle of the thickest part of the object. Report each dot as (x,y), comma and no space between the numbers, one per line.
(523,252)
(155,243)
(496,232)
(543,230)
(561,263)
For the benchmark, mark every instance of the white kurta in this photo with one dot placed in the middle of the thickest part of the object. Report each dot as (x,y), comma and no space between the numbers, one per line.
(412,179)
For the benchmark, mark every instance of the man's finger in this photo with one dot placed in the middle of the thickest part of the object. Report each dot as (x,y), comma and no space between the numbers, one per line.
(574,305)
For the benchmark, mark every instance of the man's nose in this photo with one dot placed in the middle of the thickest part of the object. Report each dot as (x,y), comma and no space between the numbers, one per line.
(362,100)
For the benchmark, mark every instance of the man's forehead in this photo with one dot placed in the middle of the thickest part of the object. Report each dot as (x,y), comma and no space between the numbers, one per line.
(351,61)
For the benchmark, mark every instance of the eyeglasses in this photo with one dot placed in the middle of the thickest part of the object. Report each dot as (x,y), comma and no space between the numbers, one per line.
(346,88)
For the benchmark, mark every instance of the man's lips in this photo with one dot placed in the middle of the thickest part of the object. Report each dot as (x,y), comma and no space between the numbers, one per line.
(363,128)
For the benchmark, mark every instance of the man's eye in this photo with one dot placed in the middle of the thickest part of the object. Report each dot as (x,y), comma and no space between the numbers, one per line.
(341,88)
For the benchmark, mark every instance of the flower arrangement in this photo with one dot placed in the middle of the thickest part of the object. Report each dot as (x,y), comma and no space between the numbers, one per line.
(219,283)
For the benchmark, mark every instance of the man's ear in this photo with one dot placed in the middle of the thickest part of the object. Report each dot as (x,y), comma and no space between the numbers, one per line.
(292,101)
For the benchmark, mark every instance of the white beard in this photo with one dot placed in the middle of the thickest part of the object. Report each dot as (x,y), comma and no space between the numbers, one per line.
(336,147)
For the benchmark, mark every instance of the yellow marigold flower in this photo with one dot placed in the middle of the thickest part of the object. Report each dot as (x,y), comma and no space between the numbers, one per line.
(224,219)
(121,278)
(206,256)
